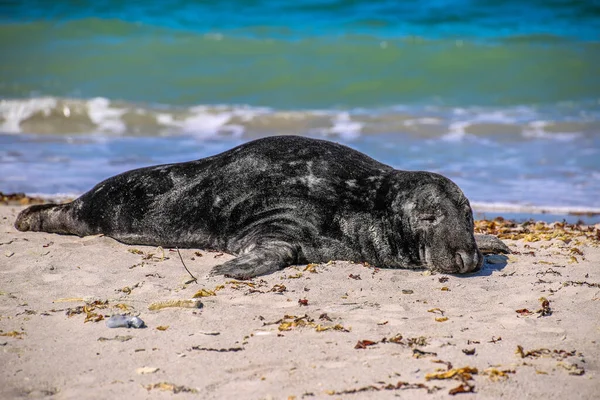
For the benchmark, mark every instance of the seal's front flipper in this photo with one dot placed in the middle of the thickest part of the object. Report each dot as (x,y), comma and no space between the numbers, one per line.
(261,260)
(490,244)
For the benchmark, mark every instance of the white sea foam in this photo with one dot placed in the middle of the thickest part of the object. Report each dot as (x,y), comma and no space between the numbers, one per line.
(456,131)
(13,112)
(343,126)
(100,115)
(105,117)
(465,118)
(422,121)
(535,130)
(532,209)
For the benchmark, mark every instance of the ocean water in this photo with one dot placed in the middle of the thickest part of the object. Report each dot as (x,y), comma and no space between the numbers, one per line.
(503,97)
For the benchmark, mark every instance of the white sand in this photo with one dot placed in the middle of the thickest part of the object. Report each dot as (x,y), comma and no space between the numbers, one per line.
(53,355)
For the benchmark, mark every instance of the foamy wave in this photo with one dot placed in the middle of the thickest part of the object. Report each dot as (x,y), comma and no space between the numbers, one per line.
(13,112)
(50,115)
(537,130)
(533,209)
(343,126)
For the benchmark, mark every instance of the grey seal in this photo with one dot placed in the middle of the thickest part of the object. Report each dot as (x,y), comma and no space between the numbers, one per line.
(279,201)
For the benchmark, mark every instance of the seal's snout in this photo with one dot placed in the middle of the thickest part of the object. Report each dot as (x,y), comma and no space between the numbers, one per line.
(466,262)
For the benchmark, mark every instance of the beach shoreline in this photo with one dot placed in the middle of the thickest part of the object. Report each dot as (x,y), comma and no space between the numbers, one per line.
(339,330)
(481,211)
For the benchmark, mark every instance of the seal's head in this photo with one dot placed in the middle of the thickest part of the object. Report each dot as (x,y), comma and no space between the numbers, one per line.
(435,222)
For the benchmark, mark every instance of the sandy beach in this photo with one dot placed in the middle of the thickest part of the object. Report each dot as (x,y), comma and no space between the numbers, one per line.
(526,326)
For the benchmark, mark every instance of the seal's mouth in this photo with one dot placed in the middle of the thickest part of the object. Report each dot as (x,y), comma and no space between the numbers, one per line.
(462,263)
(465,262)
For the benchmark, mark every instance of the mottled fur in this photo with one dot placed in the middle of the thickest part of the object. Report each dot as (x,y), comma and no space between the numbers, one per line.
(279,201)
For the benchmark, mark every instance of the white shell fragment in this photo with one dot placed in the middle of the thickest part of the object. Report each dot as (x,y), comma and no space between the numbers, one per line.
(146,370)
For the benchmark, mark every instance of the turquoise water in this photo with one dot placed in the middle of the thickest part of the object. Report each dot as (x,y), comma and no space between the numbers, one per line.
(137,62)
(501,96)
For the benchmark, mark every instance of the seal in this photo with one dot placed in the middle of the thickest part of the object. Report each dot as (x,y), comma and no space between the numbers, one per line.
(279,201)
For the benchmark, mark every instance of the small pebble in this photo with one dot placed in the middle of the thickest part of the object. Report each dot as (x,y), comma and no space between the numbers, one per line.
(125,321)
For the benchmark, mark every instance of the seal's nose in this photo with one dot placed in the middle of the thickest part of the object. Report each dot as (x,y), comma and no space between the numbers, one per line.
(468,263)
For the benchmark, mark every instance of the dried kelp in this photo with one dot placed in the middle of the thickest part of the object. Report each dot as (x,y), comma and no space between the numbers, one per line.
(159,305)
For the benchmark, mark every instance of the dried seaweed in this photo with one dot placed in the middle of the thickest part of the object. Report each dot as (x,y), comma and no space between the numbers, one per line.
(581,283)
(573,369)
(303,302)
(448,364)
(436,310)
(278,288)
(170,387)
(388,386)
(523,312)
(22,199)
(336,327)
(462,388)
(396,339)
(204,293)
(239,284)
(464,374)
(496,374)
(117,338)
(531,231)
(536,353)
(417,341)
(14,334)
(545,310)
(291,321)
(363,344)
(420,353)
(89,309)
(220,350)
(159,305)
(325,317)
(312,268)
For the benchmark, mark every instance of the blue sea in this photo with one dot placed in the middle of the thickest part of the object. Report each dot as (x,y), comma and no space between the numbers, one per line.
(503,97)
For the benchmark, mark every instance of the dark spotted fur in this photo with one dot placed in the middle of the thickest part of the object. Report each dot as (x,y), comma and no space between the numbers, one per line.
(279,201)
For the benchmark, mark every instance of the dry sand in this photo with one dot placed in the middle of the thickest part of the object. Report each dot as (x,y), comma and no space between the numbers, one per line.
(241,345)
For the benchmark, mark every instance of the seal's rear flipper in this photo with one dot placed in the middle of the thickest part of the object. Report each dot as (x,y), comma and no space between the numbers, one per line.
(33,218)
(490,244)
(52,218)
(262,260)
